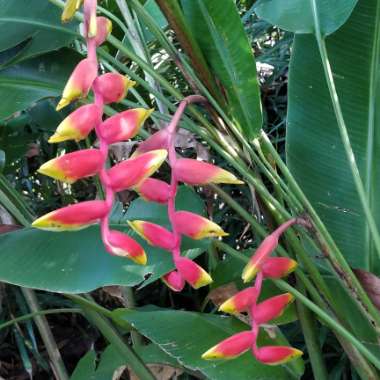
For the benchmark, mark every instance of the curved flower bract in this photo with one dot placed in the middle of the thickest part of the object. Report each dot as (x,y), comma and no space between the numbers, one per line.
(73,217)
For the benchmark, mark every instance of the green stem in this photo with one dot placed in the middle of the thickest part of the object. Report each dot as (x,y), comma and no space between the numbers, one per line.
(339,265)
(129,298)
(13,202)
(58,366)
(308,325)
(111,335)
(329,321)
(83,302)
(26,317)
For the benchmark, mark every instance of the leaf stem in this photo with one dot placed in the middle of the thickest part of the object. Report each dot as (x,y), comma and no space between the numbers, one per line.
(108,331)
(58,366)
(26,317)
(308,325)
(339,265)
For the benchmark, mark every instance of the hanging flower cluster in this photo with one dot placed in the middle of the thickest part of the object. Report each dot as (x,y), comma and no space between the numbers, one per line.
(134,174)
(259,267)
(183,223)
(107,88)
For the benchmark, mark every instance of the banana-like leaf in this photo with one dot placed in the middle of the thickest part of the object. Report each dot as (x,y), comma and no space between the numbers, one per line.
(185,336)
(314,149)
(76,262)
(297,16)
(29,81)
(217,27)
(30,28)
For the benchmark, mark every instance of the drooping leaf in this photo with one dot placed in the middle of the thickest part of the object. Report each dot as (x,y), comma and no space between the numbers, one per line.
(186,335)
(219,32)
(35,79)
(314,149)
(76,262)
(297,15)
(34,26)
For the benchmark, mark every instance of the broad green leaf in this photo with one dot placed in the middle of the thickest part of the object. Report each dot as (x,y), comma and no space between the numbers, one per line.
(186,335)
(217,27)
(76,262)
(86,367)
(297,15)
(34,26)
(34,79)
(314,150)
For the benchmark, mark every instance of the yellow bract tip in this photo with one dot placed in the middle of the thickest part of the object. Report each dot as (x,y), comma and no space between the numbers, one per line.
(228,307)
(249,272)
(62,103)
(140,259)
(212,354)
(56,138)
(204,280)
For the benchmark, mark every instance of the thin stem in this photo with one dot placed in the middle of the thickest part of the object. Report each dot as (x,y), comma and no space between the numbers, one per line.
(58,366)
(137,44)
(26,317)
(83,302)
(308,325)
(108,331)
(338,263)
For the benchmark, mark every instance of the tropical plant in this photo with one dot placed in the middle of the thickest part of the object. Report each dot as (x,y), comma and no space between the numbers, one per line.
(319,200)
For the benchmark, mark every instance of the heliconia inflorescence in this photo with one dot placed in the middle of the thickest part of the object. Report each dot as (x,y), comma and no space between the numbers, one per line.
(183,223)
(131,174)
(261,266)
(134,174)
(71,167)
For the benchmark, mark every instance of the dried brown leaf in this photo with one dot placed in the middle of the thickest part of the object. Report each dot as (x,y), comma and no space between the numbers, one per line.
(371,285)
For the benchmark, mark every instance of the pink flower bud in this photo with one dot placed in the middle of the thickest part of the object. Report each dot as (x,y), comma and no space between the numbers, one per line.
(231,347)
(154,190)
(194,172)
(123,245)
(240,302)
(174,281)
(90,17)
(113,87)
(272,308)
(192,272)
(274,355)
(123,126)
(73,217)
(277,267)
(71,6)
(130,172)
(154,234)
(73,166)
(195,226)
(104,29)
(78,124)
(79,83)
(158,140)
(268,245)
